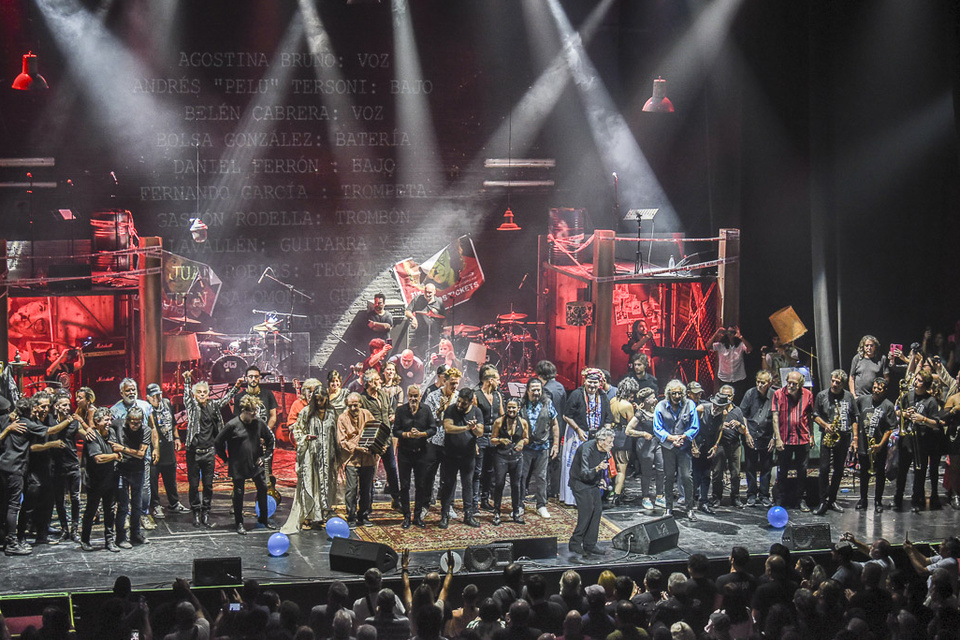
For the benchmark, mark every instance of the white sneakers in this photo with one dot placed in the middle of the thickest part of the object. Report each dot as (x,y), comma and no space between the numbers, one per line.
(543,513)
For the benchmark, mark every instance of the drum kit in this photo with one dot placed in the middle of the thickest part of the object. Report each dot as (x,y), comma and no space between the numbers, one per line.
(224,357)
(510,343)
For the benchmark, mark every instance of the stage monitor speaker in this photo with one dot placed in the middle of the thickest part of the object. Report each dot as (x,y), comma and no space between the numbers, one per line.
(488,556)
(649,538)
(805,537)
(211,572)
(356,556)
(533,547)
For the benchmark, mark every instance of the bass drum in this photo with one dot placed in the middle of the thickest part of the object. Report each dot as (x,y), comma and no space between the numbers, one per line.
(227,369)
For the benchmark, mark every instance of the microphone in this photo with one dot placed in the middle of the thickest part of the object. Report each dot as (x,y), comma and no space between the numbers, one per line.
(114,176)
(614,175)
(523,280)
(263,275)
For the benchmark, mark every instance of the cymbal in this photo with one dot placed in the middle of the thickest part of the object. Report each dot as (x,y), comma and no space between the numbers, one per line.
(211,333)
(522,339)
(511,317)
(182,320)
(431,314)
(266,327)
(464,329)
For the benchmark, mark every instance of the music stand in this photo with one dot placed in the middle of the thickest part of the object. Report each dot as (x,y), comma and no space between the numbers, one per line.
(638,216)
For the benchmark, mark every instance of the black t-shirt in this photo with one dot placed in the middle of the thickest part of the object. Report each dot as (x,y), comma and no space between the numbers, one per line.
(709,428)
(825,407)
(131,440)
(730,434)
(67,459)
(99,445)
(385,317)
(239,444)
(15,448)
(268,402)
(874,418)
(928,407)
(461,444)
(745,583)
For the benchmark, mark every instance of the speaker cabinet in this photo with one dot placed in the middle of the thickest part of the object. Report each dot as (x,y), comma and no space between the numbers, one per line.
(804,537)
(356,556)
(649,538)
(536,548)
(488,556)
(210,572)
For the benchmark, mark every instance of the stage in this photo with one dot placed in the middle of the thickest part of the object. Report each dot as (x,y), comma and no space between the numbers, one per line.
(176,543)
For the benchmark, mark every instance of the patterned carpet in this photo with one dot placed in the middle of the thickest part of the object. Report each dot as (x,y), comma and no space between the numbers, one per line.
(386,529)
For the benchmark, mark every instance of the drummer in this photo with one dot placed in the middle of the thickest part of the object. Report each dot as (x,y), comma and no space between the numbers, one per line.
(425,316)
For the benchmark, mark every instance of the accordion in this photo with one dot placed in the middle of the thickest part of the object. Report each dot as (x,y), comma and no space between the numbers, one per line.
(375,437)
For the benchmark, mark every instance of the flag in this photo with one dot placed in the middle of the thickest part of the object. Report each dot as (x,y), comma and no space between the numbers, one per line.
(455,270)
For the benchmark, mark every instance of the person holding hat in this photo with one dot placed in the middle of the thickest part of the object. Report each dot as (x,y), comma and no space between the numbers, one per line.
(704,450)
(168,439)
(733,435)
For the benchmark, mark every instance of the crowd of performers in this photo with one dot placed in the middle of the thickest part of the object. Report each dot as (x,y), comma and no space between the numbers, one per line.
(579,446)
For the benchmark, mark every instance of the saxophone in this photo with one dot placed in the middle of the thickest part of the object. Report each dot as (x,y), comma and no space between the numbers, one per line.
(830,438)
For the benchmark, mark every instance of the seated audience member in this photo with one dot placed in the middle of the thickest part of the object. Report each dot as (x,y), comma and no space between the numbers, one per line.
(429,624)
(627,623)
(573,626)
(654,587)
(777,590)
(488,621)
(366,606)
(873,599)
(388,624)
(461,617)
(700,592)
(546,615)
(322,615)
(512,588)
(571,596)
(518,624)
(847,573)
(739,577)
(596,622)
(190,623)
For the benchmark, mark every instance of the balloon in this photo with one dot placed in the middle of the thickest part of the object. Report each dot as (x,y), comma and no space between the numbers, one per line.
(278,544)
(778,517)
(271,507)
(338,528)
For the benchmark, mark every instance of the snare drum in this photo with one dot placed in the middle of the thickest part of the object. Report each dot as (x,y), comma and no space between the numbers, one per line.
(227,369)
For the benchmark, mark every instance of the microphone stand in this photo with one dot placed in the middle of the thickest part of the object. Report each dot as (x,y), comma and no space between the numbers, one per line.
(289,287)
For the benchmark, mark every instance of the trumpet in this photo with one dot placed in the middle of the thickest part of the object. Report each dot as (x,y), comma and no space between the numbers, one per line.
(830,438)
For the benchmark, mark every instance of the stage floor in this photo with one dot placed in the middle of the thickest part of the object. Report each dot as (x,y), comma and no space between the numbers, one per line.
(175,543)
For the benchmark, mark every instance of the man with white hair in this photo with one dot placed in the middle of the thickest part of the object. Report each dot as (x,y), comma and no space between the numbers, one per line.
(204,422)
(586,474)
(675,422)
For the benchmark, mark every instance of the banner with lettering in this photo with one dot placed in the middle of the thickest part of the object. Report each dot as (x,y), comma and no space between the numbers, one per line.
(190,291)
(455,270)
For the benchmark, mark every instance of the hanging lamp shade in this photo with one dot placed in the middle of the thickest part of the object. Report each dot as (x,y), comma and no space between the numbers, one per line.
(508,224)
(659,102)
(30,78)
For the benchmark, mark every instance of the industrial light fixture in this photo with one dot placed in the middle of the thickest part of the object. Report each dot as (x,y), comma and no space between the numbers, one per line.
(659,102)
(198,230)
(508,224)
(30,78)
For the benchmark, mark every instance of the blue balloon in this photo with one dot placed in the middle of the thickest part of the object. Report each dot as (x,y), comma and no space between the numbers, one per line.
(278,544)
(271,507)
(338,528)
(778,517)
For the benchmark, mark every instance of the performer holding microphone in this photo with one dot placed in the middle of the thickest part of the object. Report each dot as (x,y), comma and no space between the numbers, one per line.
(586,474)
